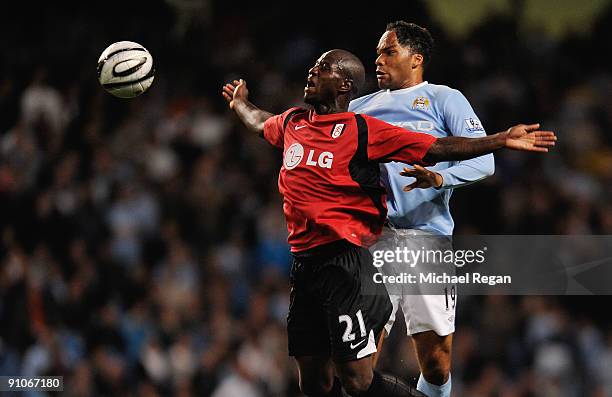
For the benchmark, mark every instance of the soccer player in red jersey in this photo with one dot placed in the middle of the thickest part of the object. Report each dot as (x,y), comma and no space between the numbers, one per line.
(335,208)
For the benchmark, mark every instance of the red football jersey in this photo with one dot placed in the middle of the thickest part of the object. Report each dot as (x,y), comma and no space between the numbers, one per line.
(330,178)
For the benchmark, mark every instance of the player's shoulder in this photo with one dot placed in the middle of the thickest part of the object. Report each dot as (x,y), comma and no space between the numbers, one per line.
(358,103)
(291,116)
(444,98)
(442,92)
(293,111)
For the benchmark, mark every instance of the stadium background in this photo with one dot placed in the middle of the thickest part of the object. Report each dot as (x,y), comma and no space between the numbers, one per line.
(142,244)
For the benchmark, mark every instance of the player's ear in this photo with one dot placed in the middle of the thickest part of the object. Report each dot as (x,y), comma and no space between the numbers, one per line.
(417,60)
(346,86)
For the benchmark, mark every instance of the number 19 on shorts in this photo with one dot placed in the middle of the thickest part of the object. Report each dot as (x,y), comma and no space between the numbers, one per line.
(450,294)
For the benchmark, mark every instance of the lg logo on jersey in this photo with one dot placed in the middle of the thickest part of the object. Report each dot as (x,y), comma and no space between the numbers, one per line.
(295,153)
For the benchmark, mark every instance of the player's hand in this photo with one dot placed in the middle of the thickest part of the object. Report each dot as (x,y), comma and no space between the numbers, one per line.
(235,91)
(529,138)
(424,178)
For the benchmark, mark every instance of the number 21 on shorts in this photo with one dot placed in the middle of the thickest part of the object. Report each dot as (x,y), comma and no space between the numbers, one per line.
(349,335)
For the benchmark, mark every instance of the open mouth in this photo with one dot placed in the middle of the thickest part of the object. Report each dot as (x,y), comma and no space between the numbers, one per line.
(310,85)
(380,74)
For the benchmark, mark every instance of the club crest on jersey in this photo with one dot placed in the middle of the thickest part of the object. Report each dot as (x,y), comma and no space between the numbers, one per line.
(337,130)
(473,125)
(421,102)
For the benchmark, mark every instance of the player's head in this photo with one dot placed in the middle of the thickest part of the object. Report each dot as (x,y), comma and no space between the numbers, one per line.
(335,73)
(403,52)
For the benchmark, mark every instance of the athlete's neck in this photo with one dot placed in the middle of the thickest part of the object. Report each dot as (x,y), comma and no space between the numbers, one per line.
(410,82)
(339,106)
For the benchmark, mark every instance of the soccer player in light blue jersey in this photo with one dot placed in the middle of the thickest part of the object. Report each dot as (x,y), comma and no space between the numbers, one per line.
(406,100)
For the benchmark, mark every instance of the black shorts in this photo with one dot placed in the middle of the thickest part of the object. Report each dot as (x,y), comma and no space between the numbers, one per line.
(328,312)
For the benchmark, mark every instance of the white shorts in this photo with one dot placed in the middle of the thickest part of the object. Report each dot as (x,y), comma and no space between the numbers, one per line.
(422,312)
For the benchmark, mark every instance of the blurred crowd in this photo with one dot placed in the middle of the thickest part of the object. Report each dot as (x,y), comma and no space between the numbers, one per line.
(142,244)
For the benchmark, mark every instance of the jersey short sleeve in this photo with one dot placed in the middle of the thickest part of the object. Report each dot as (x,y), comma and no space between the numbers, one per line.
(387,143)
(274,127)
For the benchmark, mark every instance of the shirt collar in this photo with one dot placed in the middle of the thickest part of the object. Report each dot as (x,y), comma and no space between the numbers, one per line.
(402,90)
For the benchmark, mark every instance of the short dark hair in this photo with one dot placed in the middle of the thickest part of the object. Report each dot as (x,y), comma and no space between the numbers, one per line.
(416,37)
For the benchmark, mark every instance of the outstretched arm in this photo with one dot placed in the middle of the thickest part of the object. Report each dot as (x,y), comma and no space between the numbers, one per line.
(252,117)
(520,137)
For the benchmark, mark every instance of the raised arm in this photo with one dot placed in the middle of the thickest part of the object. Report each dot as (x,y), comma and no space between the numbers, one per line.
(252,117)
(520,137)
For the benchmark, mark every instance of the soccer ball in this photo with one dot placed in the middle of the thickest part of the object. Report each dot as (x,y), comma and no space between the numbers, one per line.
(125,69)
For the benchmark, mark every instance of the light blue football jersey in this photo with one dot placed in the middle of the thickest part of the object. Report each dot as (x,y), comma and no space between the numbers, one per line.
(439,111)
